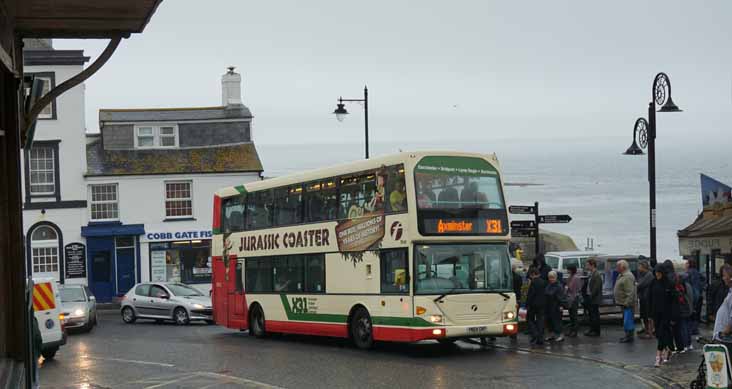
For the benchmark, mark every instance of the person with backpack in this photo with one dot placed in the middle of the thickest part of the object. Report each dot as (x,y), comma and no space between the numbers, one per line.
(625,296)
(685,298)
(555,300)
(697,281)
(660,298)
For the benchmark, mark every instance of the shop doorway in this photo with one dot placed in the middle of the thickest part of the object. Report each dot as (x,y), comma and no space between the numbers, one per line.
(125,250)
(101,275)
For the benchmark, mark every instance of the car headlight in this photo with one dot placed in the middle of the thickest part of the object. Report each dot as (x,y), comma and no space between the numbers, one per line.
(78,312)
(198,306)
(436,318)
(510,315)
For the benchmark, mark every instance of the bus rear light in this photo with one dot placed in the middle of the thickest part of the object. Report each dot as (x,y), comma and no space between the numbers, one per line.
(420,310)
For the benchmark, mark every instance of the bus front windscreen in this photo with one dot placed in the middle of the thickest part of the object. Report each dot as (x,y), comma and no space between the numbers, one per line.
(459,196)
(462,268)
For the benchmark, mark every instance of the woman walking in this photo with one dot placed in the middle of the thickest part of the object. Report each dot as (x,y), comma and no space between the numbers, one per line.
(554,301)
(645,278)
(661,305)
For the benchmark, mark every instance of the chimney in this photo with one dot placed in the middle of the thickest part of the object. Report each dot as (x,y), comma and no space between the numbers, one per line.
(231,88)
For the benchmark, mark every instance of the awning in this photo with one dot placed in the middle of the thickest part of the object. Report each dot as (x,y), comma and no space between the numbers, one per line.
(112,229)
(709,232)
(82,18)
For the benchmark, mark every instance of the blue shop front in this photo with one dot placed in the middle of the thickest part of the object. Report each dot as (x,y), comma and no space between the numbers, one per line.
(113,255)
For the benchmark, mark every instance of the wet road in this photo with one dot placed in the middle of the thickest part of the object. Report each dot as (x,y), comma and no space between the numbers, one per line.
(165,356)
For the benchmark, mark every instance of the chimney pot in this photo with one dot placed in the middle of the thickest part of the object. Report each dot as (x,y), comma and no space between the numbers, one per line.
(231,88)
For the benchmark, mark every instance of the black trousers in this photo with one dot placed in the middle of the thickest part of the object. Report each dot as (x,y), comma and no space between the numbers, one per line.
(535,317)
(594,318)
(573,316)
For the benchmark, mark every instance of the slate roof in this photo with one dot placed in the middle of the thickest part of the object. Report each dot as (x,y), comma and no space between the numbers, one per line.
(174,114)
(222,159)
(708,225)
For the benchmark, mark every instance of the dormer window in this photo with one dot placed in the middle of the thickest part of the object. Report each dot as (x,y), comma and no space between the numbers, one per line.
(156,136)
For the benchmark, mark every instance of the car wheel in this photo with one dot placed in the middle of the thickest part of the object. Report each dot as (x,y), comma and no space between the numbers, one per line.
(50,353)
(361,329)
(128,315)
(256,323)
(180,315)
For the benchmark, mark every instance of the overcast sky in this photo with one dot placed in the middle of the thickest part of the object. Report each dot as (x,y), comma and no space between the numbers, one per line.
(470,69)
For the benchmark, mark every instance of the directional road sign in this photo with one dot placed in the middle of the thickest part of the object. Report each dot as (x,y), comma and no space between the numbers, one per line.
(523,233)
(522,209)
(523,224)
(555,219)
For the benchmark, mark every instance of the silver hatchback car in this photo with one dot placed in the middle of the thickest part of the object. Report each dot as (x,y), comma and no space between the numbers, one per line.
(166,301)
(78,306)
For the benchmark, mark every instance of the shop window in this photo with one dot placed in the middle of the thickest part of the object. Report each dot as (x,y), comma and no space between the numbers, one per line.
(287,206)
(321,201)
(104,202)
(188,262)
(44,249)
(233,220)
(178,199)
(394,271)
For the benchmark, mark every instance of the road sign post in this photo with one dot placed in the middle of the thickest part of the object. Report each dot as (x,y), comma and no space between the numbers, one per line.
(530,228)
(537,239)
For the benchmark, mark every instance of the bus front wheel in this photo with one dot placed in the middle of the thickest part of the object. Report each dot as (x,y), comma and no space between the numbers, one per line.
(361,329)
(256,326)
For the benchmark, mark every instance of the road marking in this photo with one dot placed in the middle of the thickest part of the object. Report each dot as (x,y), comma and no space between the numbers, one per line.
(129,361)
(240,380)
(166,383)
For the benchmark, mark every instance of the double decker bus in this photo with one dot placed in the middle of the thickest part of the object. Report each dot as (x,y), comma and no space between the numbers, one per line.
(406,247)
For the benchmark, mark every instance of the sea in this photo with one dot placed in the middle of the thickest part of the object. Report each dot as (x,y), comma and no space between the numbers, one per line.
(604,191)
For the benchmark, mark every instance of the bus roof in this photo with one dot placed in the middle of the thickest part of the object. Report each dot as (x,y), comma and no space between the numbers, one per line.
(345,168)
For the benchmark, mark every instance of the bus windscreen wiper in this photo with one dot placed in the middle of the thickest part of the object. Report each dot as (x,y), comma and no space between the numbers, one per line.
(440,297)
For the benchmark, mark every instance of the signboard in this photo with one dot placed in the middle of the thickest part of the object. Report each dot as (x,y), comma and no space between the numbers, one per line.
(157,266)
(360,234)
(705,246)
(523,233)
(555,219)
(715,357)
(75,260)
(178,235)
(523,224)
(522,209)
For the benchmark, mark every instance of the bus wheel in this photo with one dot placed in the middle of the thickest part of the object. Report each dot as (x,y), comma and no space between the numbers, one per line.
(256,323)
(361,329)
(446,341)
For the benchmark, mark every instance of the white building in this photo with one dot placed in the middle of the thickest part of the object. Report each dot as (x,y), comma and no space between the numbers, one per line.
(150,179)
(54,192)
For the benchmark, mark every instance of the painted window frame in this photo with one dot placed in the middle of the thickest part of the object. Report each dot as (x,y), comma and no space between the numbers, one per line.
(156,135)
(51,78)
(190,198)
(49,155)
(52,144)
(54,264)
(92,202)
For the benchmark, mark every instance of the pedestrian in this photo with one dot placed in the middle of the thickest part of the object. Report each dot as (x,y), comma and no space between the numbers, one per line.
(723,320)
(574,286)
(645,277)
(593,297)
(518,283)
(536,307)
(542,267)
(683,297)
(660,299)
(555,300)
(697,281)
(718,292)
(625,296)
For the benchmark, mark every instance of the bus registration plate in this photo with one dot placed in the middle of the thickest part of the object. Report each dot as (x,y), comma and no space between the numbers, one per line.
(477,330)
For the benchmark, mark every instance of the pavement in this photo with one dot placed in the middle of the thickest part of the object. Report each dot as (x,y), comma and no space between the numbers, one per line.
(149,355)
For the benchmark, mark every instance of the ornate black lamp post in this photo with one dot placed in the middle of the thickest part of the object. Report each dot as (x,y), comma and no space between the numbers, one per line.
(645,132)
(341,113)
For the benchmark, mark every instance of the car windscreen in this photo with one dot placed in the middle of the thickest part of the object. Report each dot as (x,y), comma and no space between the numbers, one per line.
(72,295)
(183,290)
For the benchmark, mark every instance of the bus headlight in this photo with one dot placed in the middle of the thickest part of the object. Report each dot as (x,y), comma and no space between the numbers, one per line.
(436,318)
(510,315)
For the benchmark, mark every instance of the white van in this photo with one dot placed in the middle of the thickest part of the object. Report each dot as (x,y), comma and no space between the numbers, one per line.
(560,260)
(47,309)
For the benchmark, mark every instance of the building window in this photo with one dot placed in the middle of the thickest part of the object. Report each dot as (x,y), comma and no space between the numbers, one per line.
(42,171)
(44,250)
(149,137)
(49,82)
(104,202)
(178,199)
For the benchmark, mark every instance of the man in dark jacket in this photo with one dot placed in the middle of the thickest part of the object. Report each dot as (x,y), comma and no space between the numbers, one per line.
(536,307)
(542,267)
(697,281)
(594,297)
(645,277)
(518,283)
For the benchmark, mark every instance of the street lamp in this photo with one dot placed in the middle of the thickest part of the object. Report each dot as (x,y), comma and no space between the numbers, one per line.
(645,132)
(341,113)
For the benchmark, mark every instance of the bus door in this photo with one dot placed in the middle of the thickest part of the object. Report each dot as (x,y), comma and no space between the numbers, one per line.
(219,293)
(237,305)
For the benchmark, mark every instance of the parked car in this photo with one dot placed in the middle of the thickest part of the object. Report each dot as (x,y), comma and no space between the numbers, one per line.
(47,310)
(79,307)
(560,260)
(162,301)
